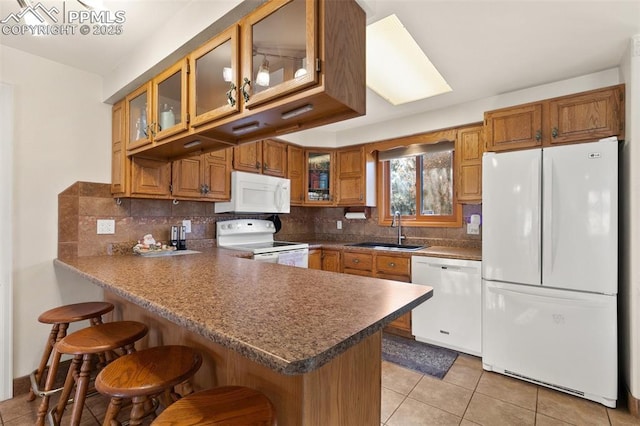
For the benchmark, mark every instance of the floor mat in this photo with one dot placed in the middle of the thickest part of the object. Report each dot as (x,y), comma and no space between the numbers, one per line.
(427,359)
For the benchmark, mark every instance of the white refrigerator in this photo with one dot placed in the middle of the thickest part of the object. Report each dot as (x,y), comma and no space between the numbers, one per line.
(550,267)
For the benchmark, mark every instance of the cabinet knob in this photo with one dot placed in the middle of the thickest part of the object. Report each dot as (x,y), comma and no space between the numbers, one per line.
(392,264)
(356,260)
(554,132)
(539,135)
(257,165)
(265,166)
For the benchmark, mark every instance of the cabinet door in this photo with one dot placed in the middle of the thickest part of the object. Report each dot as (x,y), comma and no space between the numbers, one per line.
(138,112)
(586,117)
(469,146)
(295,173)
(358,261)
(213,81)
(187,179)
(277,62)
(319,177)
(248,157)
(170,101)
(119,161)
(315,259)
(331,260)
(217,175)
(514,128)
(274,158)
(150,177)
(350,176)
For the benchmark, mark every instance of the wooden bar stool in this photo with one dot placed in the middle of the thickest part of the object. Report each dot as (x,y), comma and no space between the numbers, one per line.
(60,318)
(143,375)
(83,345)
(226,405)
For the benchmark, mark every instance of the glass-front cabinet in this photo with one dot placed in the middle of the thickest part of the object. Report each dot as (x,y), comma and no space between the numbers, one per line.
(158,108)
(319,177)
(213,81)
(280,48)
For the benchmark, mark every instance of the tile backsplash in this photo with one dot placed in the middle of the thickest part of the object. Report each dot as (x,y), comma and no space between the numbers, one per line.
(83,203)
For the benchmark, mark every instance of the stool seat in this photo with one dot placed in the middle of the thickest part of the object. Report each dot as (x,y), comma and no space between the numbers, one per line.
(226,405)
(84,345)
(148,372)
(75,312)
(143,374)
(102,338)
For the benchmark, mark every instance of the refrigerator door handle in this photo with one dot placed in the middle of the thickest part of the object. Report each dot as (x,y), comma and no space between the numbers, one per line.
(547,216)
(555,299)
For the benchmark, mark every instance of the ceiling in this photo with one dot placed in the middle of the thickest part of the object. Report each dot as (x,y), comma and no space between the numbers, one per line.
(482,48)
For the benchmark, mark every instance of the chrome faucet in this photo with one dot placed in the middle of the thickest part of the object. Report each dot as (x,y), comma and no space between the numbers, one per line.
(398,224)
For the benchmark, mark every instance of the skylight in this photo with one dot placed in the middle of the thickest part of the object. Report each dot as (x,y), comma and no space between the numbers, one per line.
(397,68)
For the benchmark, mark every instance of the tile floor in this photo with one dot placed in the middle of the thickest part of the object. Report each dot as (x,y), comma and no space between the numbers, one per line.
(466,396)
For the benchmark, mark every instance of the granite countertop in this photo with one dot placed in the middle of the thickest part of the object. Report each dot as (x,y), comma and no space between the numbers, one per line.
(467,253)
(292,320)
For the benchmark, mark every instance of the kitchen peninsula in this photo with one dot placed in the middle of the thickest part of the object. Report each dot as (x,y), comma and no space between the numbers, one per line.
(310,340)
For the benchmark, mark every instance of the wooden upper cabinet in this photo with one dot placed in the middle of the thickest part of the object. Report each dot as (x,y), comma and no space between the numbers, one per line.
(274,158)
(206,177)
(119,161)
(319,177)
(355,171)
(514,128)
(295,173)
(581,117)
(130,176)
(469,150)
(157,110)
(268,157)
(587,117)
(214,78)
(279,50)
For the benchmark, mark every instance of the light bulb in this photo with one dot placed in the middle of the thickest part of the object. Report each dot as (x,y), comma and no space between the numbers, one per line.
(226,74)
(262,78)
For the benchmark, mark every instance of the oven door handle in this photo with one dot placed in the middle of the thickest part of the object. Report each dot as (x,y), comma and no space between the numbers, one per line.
(266,257)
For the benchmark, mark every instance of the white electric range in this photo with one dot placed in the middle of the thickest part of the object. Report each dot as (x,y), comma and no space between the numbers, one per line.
(256,236)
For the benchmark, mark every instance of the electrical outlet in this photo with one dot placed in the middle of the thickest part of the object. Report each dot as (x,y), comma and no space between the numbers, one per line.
(187,226)
(339,224)
(473,229)
(106,226)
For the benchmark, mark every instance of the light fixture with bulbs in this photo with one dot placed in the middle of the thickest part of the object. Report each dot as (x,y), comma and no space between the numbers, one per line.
(263,77)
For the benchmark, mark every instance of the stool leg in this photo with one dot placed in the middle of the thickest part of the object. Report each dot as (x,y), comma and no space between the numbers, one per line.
(102,357)
(115,404)
(54,336)
(81,389)
(138,411)
(58,411)
(51,378)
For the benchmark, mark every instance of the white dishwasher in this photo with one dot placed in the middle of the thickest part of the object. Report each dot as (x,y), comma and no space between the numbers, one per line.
(452,317)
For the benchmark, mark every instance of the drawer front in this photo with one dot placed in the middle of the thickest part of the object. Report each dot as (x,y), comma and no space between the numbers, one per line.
(357,272)
(361,261)
(393,265)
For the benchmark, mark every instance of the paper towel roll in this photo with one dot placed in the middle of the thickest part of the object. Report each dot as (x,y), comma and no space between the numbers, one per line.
(355,215)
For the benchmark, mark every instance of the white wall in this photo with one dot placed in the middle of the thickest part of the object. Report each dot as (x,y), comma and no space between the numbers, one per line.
(629,299)
(62,134)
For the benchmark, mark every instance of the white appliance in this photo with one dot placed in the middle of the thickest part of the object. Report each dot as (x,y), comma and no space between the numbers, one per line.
(256,193)
(452,317)
(256,236)
(549,267)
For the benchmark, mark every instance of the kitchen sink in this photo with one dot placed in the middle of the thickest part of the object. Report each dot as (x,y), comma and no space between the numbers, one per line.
(387,246)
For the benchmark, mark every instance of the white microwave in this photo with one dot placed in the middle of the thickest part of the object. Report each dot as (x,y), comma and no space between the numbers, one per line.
(256,193)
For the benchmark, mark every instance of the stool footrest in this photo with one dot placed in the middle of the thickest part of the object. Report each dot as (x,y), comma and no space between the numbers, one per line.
(35,387)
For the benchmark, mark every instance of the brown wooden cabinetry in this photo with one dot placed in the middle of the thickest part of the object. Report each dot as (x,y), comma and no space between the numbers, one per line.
(319,177)
(581,117)
(331,260)
(295,173)
(204,177)
(135,177)
(469,149)
(268,157)
(315,258)
(355,171)
(157,110)
(357,263)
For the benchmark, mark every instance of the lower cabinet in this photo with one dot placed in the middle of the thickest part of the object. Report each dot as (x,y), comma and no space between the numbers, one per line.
(390,267)
(331,260)
(315,259)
